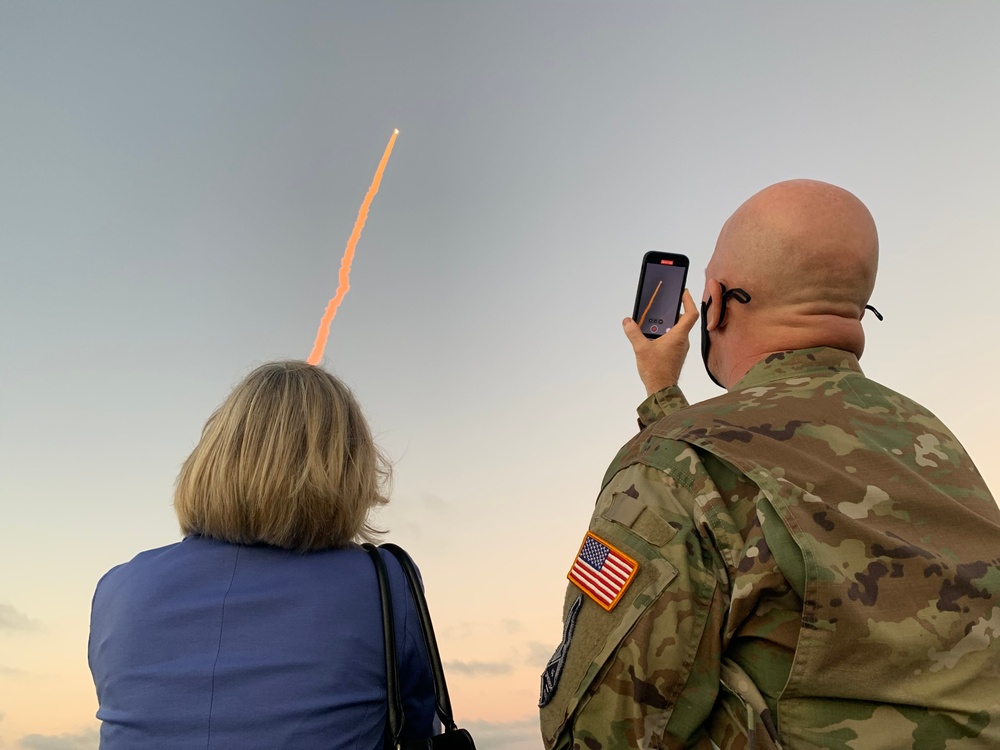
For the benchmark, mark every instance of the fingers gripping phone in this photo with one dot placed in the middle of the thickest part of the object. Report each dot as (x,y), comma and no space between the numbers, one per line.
(658,298)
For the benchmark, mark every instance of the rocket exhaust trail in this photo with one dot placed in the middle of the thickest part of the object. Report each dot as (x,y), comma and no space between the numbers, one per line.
(646,311)
(343,283)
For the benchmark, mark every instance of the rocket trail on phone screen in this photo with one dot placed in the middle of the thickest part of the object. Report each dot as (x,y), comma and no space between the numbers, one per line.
(660,288)
(646,311)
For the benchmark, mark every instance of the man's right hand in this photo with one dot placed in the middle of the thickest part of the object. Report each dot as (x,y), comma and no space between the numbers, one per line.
(659,361)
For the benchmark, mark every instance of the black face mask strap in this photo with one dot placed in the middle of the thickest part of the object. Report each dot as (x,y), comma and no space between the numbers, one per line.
(741,296)
(737,294)
(877,313)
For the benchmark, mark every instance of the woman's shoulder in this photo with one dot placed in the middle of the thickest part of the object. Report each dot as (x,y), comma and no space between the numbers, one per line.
(201,562)
(140,560)
(190,562)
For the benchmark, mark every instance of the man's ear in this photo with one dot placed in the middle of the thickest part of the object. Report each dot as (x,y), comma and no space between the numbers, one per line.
(713,292)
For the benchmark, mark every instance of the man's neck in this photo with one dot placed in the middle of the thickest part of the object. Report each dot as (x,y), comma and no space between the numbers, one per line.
(835,332)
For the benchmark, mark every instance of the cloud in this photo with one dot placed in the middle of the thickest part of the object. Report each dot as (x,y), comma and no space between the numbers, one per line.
(474,628)
(477,667)
(458,631)
(436,504)
(10,671)
(88,739)
(13,621)
(539,653)
(521,734)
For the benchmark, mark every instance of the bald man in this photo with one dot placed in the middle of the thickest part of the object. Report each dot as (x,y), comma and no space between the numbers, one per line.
(808,561)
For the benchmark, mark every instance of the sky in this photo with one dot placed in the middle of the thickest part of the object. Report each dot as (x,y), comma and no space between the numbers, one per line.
(178,181)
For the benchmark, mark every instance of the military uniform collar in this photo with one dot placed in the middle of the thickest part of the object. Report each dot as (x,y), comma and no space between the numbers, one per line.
(820,360)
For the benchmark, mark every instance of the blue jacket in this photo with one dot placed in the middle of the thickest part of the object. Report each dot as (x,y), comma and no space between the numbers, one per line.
(205,644)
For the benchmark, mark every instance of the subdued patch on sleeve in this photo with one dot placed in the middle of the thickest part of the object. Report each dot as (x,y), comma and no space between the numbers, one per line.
(554,669)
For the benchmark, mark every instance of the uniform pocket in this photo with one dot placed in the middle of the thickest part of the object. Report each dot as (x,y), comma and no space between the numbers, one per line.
(641,520)
(596,637)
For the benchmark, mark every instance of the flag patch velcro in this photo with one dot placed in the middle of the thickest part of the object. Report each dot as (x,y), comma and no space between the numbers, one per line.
(601,571)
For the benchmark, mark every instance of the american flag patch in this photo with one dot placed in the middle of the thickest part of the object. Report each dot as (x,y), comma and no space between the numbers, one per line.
(602,572)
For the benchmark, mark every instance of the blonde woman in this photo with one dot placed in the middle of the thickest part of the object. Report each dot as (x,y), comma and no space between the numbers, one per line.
(262,627)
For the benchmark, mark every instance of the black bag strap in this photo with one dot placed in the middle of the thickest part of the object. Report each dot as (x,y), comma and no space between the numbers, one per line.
(453,738)
(394,727)
(442,700)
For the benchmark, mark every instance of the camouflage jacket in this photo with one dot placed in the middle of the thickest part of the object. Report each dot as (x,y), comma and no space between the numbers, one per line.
(816,565)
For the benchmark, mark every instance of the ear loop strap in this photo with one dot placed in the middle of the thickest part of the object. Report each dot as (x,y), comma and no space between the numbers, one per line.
(737,294)
(877,313)
(740,295)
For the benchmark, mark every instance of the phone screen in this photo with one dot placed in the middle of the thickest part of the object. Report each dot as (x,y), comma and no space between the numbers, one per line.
(658,299)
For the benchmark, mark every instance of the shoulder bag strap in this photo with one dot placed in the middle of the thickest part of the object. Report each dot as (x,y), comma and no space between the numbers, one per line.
(394,725)
(442,700)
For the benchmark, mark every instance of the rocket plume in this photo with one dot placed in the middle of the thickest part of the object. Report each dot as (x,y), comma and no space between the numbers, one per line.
(646,311)
(345,264)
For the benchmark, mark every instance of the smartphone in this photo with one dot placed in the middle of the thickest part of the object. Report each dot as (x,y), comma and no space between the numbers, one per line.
(658,299)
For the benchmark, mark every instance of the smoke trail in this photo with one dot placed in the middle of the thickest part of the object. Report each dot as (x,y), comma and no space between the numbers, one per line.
(345,264)
(645,312)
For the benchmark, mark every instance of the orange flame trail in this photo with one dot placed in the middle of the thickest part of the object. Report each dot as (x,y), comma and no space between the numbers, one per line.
(345,264)
(646,311)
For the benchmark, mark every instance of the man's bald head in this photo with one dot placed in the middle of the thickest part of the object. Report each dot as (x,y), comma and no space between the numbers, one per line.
(807,253)
(802,243)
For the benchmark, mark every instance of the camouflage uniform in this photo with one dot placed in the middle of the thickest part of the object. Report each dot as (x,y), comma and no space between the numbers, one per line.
(818,567)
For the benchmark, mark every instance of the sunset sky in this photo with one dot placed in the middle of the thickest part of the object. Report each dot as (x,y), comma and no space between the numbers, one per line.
(178,181)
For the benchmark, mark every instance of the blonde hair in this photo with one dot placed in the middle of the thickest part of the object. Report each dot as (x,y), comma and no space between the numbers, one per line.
(287,460)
